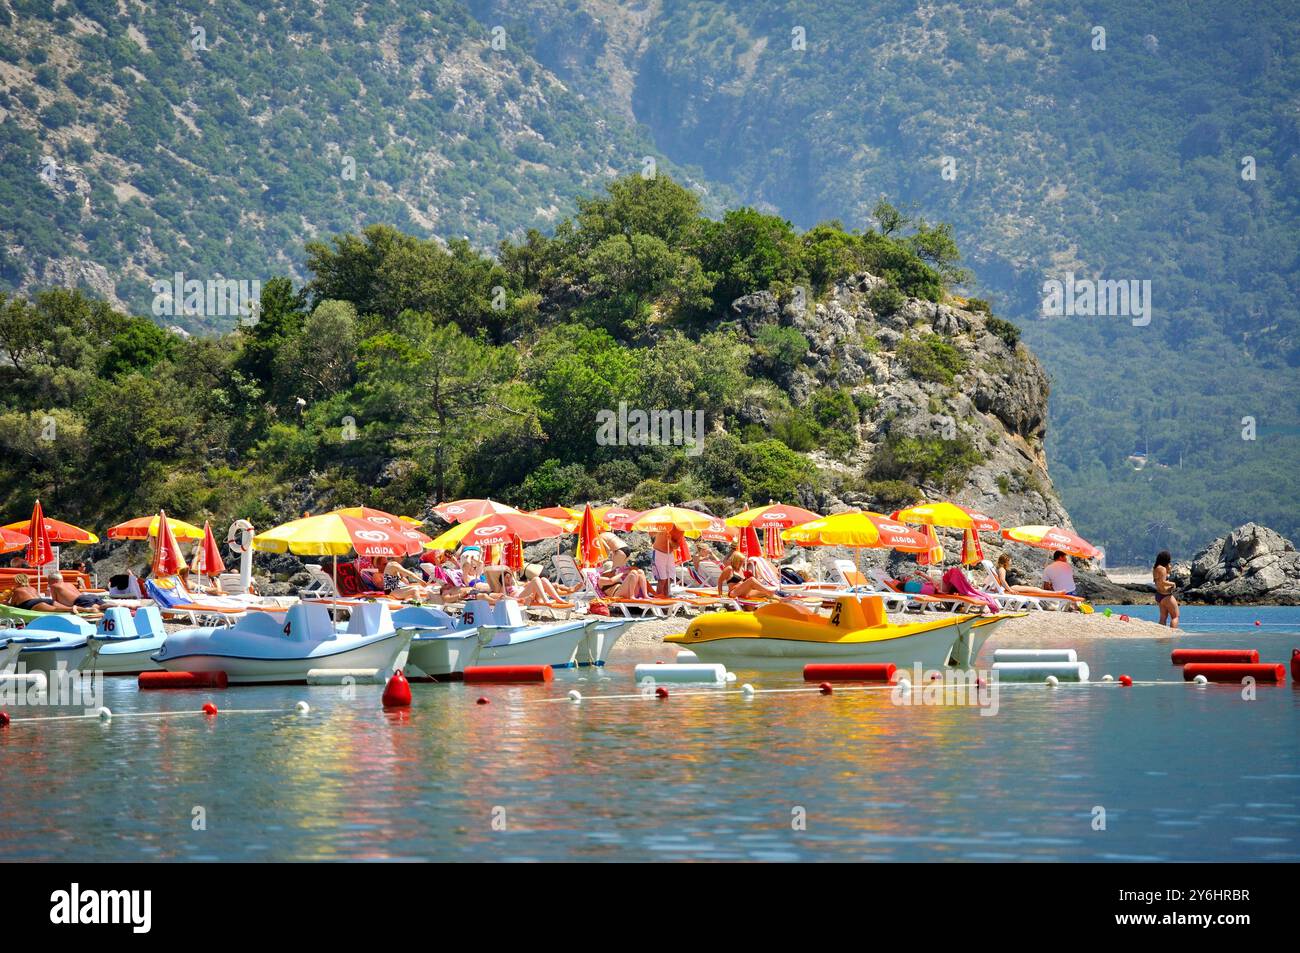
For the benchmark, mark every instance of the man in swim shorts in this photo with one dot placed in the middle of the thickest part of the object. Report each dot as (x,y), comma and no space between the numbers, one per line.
(665,545)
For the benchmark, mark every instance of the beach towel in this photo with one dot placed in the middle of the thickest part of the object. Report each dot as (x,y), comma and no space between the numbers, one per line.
(350,582)
(958,583)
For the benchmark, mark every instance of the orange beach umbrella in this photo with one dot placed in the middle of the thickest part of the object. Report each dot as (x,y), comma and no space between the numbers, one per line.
(11,539)
(459,511)
(144,527)
(207,555)
(167,560)
(1052,537)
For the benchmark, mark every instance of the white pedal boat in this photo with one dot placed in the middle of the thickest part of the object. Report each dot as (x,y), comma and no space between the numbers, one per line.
(128,642)
(282,647)
(486,633)
(57,640)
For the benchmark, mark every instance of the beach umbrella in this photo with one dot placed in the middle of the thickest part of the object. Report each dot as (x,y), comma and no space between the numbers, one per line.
(365,531)
(933,554)
(615,517)
(662,517)
(716,532)
(497,529)
(859,529)
(460,511)
(145,527)
(39,551)
(167,559)
(54,532)
(1052,538)
(11,539)
(564,514)
(587,551)
(749,546)
(207,555)
(773,516)
(952,515)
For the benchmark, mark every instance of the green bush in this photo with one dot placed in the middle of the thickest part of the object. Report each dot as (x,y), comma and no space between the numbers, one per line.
(921,460)
(1007,331)
(931,359)
(889,495)
(886,300)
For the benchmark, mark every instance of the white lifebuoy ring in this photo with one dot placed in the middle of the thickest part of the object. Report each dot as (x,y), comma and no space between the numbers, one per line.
(235,536)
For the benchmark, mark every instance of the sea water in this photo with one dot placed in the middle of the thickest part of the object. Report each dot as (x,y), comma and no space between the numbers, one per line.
(1092,773)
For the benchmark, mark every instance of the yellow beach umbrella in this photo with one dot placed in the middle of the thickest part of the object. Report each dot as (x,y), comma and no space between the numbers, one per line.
(366,531)
(858,529)
(662,517)
(146,527)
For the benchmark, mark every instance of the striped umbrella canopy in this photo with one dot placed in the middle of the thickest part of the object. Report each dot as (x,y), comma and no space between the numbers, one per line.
(365,531)
(12,539)
(948,514)
(662,517)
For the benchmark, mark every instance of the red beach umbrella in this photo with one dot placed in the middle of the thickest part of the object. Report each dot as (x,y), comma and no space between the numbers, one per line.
(207,557)
(167,559)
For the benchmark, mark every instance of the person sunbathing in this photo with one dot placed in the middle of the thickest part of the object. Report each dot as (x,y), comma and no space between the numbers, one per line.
(69,596)
(24,596)
(620,580)
(532,592)
(738,581)
(398,581)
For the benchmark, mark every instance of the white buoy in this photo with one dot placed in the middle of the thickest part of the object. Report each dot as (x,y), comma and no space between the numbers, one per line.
(303,708)
(1038,671)
(1053,681)
(105,714)
(904,684)
(731,676)
(1201,680)
(686,656)
(699,672)
(1108,678)
(575,695)
(748,690)
(1035,655)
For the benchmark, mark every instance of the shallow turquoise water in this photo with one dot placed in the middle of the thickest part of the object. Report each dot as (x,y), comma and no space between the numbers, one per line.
(1181,773)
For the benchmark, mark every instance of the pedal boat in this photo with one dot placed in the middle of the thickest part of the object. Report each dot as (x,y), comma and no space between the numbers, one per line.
(486,633)
(128,642)
(9,652)
(783,635)
(282,647)
(56,641)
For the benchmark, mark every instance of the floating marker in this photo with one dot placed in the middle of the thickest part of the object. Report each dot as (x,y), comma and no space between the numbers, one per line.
(661,692)
(1183,656)
(1201,680)
(482,701)
(686,656)
(575,696)
(303,708)
(904,684)
(1295,666)
(1108,677)
(1039,671)
(499,674)
(748,689)
(209,708)
(4,719)
(397,693)
(182,680)
(345,676)
(826,688)
(1235,672)
(1124,618)
(713,672)
(105,714)
(880,672)
(1035,655)
(1125,681)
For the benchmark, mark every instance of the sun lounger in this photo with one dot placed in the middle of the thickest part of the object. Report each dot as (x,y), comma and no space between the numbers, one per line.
(1032,598)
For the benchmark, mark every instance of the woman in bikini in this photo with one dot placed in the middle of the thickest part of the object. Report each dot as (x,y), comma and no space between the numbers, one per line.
(737,581)
(622,581)
(1165,589)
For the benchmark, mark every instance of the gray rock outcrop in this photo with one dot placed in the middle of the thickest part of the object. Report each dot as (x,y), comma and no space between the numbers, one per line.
(1251,564)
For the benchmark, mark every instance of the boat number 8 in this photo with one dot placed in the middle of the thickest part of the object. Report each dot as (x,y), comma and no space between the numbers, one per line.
(835,614)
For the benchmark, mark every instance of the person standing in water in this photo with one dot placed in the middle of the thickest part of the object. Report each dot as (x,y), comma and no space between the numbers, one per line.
(1165,589)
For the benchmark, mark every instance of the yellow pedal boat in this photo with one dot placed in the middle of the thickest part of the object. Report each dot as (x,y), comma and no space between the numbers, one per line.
(856,630)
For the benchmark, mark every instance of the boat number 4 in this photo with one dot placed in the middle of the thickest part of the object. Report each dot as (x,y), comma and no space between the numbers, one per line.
(288,626)
(835,615)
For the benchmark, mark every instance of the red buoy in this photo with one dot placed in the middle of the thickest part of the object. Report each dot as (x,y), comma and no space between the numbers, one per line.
(209,708)
(482,701)
(182,680)
(1257,622)
(1295,666)
(4,719)
(1125,681)
(1234,672)
(508,673)
(1123,618)
(661,692)
(880,672)
(397,693)
(1183,656)
(826,688)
